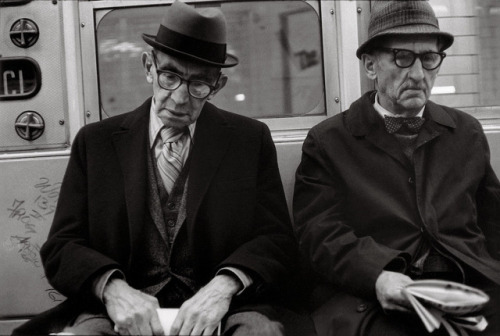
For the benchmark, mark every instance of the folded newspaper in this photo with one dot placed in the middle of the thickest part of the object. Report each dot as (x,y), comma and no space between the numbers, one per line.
(447,303)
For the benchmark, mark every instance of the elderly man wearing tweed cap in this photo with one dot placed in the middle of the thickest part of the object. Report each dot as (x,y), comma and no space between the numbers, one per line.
(397,188)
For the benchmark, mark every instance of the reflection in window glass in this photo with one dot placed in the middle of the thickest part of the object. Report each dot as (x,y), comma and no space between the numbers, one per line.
(470,74)
(278,43)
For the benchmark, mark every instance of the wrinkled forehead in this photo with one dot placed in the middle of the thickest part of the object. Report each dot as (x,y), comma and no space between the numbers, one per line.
(416,43)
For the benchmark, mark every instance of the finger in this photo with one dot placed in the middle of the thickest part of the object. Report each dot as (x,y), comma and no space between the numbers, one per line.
(209,331)
(144,329)
(395,306)
(156,327)
(401,309)
(133,330)
(199,328)
(120,330)
(186,329)
(176,326)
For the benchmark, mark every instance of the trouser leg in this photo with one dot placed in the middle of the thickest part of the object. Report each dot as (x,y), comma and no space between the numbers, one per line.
(91,324)
(252,324)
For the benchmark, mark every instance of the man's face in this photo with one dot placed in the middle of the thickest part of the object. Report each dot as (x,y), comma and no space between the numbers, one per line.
(404,90)
(177,108)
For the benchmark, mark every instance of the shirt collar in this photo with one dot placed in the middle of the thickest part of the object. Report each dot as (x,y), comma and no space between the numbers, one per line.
(383,112)
(155,126)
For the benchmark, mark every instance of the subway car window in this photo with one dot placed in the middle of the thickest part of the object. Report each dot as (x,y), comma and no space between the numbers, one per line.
(470,75)
(278,43)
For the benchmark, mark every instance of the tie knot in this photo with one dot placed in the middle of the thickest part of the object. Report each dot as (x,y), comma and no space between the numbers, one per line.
(412,124)
(171,134)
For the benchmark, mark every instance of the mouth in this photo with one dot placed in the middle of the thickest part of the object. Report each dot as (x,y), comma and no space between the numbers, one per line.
(175,114)
(414,91)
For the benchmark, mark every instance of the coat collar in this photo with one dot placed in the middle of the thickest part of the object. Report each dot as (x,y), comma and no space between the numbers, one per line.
(362,117)
(363,121)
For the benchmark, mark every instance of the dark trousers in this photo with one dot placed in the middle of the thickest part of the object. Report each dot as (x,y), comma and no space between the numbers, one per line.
(248,323)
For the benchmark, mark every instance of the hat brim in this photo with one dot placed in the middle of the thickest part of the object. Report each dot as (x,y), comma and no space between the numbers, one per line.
(151,40)
(446,38)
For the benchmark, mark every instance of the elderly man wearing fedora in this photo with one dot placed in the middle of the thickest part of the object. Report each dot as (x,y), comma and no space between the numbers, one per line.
(397,188)
(176,204)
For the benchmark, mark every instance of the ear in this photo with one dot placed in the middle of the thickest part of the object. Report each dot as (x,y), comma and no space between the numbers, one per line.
(147,64)
(220,84)
(370,65)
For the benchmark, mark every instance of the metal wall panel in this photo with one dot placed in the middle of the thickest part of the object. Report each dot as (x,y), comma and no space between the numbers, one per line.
(50,101)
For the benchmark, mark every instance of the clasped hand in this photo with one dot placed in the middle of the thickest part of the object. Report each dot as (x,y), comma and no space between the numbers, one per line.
(134,312)
(389,288)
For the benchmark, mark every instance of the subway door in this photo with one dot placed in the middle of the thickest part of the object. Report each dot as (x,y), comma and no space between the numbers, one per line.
(34,148)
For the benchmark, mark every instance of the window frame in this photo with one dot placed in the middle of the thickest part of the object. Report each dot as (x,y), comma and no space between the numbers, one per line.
(283,129)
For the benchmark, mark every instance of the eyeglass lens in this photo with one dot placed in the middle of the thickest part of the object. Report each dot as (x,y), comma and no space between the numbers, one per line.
(406,58)
(171,81)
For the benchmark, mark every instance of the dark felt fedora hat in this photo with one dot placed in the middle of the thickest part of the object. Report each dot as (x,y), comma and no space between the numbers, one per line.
(392,18)
(197,35)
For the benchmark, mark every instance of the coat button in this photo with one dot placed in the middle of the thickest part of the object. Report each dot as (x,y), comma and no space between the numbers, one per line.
(361,307)
(411,180)
(171,223)
(171,206)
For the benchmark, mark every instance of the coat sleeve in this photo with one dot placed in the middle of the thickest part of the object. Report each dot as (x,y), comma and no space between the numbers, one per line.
(325,235)
(488,204)
(271,253)
(70,263)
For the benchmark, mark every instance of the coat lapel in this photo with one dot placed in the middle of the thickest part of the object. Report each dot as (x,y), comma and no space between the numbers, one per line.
(131,144)
(211,141)
(363,120)
(437,121)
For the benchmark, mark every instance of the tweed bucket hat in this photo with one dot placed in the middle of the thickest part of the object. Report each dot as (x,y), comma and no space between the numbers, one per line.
(197,35)
(397,18)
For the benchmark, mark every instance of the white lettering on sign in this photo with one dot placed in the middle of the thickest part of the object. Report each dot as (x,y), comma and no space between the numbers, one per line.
(12,74)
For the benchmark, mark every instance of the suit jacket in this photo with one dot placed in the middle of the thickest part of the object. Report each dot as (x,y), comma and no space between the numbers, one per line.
(359,202)
(236,209)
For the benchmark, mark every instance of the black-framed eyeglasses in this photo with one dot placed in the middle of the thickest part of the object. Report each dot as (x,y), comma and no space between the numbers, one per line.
(406,58)
(171,81)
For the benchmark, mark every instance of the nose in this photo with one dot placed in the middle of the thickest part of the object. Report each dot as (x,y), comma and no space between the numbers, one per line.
(416,70)
(181,94)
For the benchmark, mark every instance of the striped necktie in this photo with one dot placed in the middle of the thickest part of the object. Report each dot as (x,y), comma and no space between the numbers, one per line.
(170,161)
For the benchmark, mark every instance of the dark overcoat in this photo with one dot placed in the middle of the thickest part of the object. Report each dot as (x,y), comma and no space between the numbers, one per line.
(359,202)
(236,209)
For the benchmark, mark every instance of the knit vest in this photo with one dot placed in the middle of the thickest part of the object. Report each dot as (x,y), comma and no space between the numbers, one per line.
(164,239)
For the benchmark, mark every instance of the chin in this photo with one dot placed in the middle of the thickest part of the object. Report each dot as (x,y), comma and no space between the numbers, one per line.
(415,103)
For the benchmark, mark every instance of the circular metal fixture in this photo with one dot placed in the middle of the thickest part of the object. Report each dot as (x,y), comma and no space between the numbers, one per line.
(24,33)
(29,125)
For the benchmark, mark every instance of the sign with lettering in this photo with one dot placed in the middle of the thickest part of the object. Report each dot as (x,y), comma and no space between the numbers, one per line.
(20,78)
